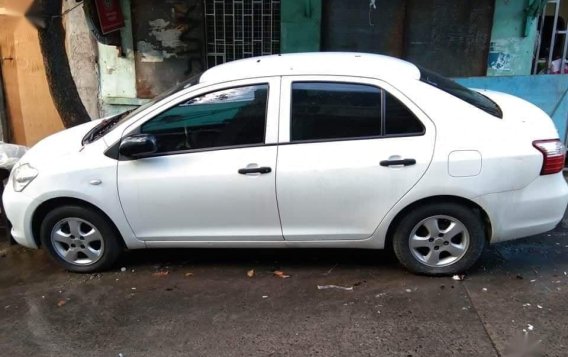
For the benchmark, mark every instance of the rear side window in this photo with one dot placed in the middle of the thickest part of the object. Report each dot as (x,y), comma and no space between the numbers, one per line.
(327,110)
(457,90)
(399,120)
(229,117)
(334,111)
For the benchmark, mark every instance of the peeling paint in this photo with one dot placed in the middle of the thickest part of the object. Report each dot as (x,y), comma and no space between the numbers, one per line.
(500,61)
(168,37)
(507,55)
(168,42)
(148,53)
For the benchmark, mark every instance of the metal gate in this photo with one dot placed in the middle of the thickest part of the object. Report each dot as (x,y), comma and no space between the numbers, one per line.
(552,41)
(238,29)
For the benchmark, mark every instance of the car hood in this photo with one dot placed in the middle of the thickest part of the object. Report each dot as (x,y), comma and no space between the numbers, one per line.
(59,144)
(528,116)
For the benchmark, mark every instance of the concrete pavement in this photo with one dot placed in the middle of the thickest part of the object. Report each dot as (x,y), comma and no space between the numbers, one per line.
(206,305)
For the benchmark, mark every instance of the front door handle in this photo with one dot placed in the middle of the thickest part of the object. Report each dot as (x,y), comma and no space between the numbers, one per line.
(255,170)
(403,162)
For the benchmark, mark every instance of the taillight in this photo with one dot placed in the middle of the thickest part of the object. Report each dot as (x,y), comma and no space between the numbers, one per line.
(554,154)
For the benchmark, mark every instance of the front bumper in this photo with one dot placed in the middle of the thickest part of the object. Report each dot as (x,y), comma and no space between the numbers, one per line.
(535,209)
(19,209)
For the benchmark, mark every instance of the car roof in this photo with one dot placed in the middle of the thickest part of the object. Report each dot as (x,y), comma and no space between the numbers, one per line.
(313,63)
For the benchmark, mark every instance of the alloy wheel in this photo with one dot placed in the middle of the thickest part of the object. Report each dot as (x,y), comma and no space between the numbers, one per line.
(439,241)
(77,241)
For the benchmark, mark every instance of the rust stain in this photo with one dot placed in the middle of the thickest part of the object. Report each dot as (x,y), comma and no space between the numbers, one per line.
(144,89)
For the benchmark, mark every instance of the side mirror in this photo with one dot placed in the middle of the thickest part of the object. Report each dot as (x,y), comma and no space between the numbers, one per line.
(138,145)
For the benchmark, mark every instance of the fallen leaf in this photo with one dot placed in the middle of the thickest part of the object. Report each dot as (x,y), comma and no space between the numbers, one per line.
(161,273)
(188,274)
(61,302)
(250,273)
(280,274)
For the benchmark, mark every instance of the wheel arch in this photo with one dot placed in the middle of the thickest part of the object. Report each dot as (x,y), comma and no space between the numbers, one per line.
(488,228)
(43,209)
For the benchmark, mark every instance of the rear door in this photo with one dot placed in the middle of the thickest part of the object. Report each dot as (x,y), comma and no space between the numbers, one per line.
(349,149)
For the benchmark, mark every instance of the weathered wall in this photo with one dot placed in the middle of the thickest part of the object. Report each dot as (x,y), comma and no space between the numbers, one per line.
(510,51)
(117,70)
(82,53)
(169,41)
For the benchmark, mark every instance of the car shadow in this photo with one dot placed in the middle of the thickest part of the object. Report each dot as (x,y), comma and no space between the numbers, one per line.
(264,257)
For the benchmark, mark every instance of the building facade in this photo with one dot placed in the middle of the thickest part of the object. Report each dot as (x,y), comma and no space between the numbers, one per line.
(163,42)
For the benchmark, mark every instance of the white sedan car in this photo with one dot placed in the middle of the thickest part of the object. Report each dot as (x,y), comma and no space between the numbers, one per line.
(339,150)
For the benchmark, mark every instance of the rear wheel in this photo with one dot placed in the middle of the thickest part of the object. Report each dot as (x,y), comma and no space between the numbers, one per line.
(439,239)
(80,239)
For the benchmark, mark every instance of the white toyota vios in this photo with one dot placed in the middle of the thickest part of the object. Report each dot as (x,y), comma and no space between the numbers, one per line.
(340,150)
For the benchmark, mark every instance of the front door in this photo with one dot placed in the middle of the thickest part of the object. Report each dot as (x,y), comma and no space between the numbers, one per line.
(213,178)
(350,148)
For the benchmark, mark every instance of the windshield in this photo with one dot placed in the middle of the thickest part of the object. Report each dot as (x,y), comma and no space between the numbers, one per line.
(457,90)
(107,125)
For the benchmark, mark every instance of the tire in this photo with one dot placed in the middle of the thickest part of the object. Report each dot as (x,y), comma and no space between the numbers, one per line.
(80,239)
(425,240)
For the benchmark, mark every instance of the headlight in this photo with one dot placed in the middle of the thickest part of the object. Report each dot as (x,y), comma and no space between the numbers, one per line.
(22,176)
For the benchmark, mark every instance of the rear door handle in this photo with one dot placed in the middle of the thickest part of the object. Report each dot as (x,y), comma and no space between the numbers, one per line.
(255,170)
(403,162)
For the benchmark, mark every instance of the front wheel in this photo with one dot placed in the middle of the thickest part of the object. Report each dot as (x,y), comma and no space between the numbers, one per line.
(80,239)
(439,239)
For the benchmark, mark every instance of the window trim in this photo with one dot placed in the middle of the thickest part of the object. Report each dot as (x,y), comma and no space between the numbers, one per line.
(346,80)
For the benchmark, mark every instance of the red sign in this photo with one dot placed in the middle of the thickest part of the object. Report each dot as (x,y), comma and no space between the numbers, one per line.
(110,15)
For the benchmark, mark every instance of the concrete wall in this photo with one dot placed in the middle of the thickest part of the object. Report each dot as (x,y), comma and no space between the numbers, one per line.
(512,39)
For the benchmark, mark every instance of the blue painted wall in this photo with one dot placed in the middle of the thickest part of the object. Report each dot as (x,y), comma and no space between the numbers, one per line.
(549,92)
(513,38)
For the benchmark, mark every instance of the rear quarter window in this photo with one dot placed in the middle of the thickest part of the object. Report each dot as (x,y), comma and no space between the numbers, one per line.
(399,120)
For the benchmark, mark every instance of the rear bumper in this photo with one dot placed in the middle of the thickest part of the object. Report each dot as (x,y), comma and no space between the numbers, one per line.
(535,209)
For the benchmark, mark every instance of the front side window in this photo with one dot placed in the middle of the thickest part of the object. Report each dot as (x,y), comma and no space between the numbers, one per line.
(229,117)
(328,110)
